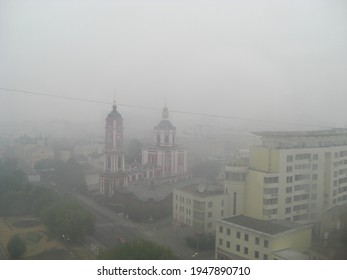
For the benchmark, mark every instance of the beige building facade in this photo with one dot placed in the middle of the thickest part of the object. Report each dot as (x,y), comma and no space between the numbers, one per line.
(199,206)
(242,237)
(296,176)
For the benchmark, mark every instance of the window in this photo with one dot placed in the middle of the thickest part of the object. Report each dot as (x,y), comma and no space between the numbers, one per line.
(314,176)
(210,204)
(289,189)
(238,248)
(257,241)
(288,210)
(301,177)
(246,237)
(220,241)
(289,158)
(109,163)
(228,231)
(270,191)
(270,180)
(256,254)
(266,257)
(228,244)
(222,213)
(289,168)
(209,225)
(302,156)
(238,235)
(289,179)
(288,200)
(245,250)
(209,214)
(266,243)
(221,229)
(315,157)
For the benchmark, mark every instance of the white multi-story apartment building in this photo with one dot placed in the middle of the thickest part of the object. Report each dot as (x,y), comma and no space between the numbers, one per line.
(296,175)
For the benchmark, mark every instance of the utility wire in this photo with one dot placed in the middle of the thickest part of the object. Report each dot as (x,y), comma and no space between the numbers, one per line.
(157,109)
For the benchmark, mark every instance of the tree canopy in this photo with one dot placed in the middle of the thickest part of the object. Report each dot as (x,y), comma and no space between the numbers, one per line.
(66,218)
(139,250)
(16,247)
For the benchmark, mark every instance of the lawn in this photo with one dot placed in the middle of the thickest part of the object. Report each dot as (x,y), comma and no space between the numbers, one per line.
(40,245)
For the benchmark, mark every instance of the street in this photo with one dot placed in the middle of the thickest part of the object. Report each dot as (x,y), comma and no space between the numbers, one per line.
(110,227)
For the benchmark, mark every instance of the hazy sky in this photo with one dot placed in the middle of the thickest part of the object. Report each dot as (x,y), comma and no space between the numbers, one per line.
(275,60)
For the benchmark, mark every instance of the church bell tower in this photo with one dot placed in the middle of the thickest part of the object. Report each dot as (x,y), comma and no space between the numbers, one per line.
(113,176)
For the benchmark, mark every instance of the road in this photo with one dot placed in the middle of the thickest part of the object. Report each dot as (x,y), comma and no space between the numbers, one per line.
(110,226)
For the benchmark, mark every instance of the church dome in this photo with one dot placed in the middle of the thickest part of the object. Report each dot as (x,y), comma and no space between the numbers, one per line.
(114,113)
(165,125)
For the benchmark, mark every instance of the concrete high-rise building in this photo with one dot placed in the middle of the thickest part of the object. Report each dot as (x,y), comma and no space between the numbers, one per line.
(291,177)
(296,176)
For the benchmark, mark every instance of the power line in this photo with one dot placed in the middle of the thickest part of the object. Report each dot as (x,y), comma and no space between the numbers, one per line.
(157,109)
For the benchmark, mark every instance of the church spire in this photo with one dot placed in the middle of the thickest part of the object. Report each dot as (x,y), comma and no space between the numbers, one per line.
(165,114)
(114,100)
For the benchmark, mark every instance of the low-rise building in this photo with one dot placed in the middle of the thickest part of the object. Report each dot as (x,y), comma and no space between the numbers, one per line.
(242,237)
(199,206)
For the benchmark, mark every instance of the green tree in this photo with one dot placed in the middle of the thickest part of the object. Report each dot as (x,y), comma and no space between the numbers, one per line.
(138,250)
(16,247)
(66,218)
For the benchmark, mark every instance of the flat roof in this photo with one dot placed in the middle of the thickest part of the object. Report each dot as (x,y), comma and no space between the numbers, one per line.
(202,189)
(144,191)
(337,210)
(289,254)
(309,133)
(268,227)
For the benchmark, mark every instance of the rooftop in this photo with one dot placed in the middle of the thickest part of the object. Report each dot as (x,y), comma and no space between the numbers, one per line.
(165,125)
(289,254)
(336,210)
(310,133)
(202,189)
(267,227)
(144,190)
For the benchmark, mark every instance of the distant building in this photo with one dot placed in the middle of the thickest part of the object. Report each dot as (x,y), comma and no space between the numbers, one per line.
(165,153)
(242,237)
(164,162)
(30,150)
(114,176)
